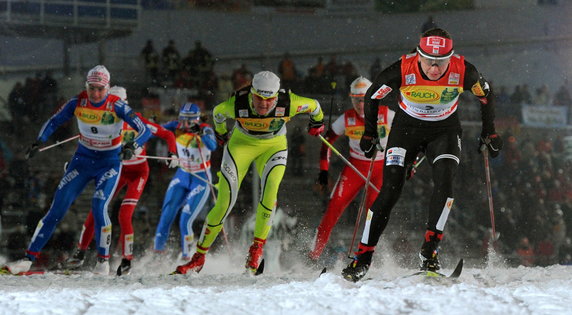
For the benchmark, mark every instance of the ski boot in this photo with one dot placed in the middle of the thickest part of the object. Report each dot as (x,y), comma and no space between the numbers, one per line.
(359,266)
(254,257)
(101,266)
(430,263)
(18,266)
(429,251)
(124,268)
(76,260)
(196,264)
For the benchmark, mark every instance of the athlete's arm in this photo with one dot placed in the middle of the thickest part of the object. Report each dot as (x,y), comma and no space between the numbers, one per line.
(64,113)
(305,105)
(129,116)
(336,130)
(208,137)
(221,113)
(481,88)
(159,131)
(385,87)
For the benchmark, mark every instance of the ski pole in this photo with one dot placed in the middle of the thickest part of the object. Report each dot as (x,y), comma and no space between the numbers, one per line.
(58,143)
(362,205)
(333,85)
(350,165)
(224,235)
(489,192)
(170,158)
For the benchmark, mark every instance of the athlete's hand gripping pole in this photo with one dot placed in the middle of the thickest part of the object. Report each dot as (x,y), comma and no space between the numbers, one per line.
(224,235)
(489,192)
(35,147)
(362,205)
(350,165)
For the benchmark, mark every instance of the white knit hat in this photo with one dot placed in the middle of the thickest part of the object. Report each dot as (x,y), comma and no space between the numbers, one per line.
(119,91)
(98,76)
(265,84)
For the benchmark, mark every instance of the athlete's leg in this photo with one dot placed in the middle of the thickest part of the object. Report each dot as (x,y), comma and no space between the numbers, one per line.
(195,201)
(238,154)
(75,178)
(443,153)
(402,147)
(174,200)
(87,230)
(105,186)
(271,167)
(136,176)
(345,190)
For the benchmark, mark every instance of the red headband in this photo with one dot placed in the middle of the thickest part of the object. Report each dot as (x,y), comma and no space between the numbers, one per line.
(435,47)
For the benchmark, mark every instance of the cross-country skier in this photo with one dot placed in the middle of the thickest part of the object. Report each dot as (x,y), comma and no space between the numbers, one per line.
(424,86)
(134,174)
(260,111)
(100,118)
(350,123)
(195,142)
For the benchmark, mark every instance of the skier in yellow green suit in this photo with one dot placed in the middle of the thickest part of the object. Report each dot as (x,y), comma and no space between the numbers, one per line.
(261,112)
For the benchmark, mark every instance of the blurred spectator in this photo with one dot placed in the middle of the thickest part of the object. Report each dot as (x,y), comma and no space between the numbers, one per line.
(151,60)
(542,96)
(562,96)
(287,72)
(171,60)
(318,68)
(525,94)
(350,73)
(375,68)
(17,106)
(241,77)
(525,252)
(203,63)
(332,68)
(428,24)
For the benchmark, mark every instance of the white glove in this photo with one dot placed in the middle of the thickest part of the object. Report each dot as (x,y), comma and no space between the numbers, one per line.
(174,162)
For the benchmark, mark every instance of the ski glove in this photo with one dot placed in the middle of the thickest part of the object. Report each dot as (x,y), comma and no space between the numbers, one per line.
(492,142)
(128,151)
(32,150)
(323,179)
(315,128)
(195,128)
(368,145)
(174,161)
(221,139)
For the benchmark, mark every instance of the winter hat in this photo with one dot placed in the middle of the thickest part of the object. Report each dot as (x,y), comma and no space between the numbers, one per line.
(119,91)
(98,76)
(265,84)
(435,47)
(359,86)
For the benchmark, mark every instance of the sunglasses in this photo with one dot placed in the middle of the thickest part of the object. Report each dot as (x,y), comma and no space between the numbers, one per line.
(435,62)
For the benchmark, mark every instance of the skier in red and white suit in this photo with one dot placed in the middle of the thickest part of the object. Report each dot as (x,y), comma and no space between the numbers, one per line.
(350,123)
(134,174)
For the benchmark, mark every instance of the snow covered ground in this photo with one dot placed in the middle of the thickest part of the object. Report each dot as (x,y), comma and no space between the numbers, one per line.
(222,288)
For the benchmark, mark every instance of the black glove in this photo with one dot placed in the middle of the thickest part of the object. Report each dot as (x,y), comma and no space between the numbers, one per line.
(323,179)
(32,150)
(195,128)
(492,142)
(221,139)
(127,151)
(315,127)
(368,145)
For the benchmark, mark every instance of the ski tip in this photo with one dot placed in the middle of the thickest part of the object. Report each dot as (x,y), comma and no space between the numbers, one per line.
(260,269)
(323,271)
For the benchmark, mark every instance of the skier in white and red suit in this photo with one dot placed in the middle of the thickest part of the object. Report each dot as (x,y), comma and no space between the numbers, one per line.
(349,183)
